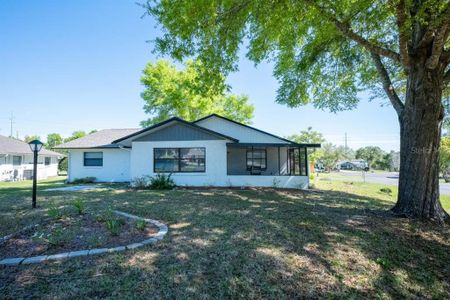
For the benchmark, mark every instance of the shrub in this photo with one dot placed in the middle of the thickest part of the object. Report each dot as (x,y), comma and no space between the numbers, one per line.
(142,182)
(162,182)
(113,225)
(54,211)
(83,180)
(140,224)
(112,222)
(79,205)
(57,237)
(386,190)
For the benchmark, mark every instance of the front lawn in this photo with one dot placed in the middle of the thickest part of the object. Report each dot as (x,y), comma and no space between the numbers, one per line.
(339,242)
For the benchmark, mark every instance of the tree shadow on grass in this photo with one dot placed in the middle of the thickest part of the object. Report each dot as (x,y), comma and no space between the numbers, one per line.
(255,244)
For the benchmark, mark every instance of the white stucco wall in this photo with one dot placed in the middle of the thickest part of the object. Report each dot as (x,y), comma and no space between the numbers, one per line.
(242,133)
(116,165)
(216,167)
(7,169)
(297,182)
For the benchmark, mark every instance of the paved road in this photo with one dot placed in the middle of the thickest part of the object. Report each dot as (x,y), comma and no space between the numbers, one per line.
(388,178)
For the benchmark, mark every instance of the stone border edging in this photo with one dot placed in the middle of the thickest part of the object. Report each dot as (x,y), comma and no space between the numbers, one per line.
(14,261)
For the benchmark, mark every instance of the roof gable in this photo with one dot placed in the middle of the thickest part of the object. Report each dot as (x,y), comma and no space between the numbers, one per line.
(176,132)
(245,133)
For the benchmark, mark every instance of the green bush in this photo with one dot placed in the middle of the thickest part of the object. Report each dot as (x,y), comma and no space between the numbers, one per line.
(112,222)
(80,206)
(83,180)
(386,190)
(142,182)
(54,211)
(113,225)
(140,224)
(162,182)
(57,238)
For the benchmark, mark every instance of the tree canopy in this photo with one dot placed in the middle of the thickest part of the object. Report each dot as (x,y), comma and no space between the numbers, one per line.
(29,138)
(75,135)
(171,92)
(324,51)
(53,139)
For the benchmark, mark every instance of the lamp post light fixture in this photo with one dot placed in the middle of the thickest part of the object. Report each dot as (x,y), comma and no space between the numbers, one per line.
(35,147)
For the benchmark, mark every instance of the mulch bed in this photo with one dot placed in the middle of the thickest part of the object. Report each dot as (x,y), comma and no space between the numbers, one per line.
(72,233)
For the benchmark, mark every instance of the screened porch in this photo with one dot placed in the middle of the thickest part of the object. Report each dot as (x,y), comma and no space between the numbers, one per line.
(266,160)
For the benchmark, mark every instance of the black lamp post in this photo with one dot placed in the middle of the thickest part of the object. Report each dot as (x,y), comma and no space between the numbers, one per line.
(35,147)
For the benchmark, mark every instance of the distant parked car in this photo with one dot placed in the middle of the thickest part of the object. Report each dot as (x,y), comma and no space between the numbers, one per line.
(446,175)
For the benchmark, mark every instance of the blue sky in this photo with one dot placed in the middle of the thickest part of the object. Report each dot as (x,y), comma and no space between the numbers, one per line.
(70,65)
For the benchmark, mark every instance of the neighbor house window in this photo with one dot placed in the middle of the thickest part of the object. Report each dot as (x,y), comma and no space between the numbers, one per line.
(174,160)
(256,159)
(17,160)
(47,161)
(93,159)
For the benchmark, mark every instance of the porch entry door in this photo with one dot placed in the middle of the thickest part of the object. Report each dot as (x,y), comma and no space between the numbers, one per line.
(294,162)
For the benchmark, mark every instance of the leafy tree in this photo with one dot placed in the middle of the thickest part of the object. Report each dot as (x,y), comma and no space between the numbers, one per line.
(371,154)
(53,139)
(325,51)
(444,159)
(29,138)
(172,92)
(385,162)
(328,156)
(309,137)
(75,135)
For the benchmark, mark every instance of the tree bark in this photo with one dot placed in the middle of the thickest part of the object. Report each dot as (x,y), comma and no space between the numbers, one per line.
(420,134)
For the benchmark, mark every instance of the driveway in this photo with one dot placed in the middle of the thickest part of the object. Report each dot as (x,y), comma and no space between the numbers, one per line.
(387,178)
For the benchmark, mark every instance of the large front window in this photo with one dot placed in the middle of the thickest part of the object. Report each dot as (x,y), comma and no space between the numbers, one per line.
(174,160)
(93,159)
(256,159)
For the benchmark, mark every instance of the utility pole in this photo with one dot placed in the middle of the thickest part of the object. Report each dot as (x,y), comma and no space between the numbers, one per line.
(345,141)
(11,119)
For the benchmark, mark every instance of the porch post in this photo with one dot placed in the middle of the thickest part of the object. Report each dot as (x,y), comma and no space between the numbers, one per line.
(306,161)
(279,168)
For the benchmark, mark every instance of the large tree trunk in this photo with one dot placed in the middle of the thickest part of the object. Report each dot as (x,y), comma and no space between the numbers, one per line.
(420,133)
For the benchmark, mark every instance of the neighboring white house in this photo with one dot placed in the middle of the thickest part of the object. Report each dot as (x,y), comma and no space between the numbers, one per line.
(212,151)
(16,161)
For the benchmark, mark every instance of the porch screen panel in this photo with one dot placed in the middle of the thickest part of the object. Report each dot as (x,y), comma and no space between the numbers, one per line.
(192,159)
(166,160)
(302,160)
(256,158)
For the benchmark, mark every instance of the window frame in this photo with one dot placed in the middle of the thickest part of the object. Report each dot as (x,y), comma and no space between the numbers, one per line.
(94,166)
(178,159)
(21,160)
(252,150)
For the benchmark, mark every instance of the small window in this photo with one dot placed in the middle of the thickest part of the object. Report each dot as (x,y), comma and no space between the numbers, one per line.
(17,160)
(175,160)
(93,159)
(47,161)
(256,159)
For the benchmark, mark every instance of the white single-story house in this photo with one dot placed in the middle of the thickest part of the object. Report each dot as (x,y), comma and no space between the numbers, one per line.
(212,151)
(16,161)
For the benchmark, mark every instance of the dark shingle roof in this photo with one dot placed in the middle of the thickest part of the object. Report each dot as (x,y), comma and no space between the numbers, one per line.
(99,139)
(11,146)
